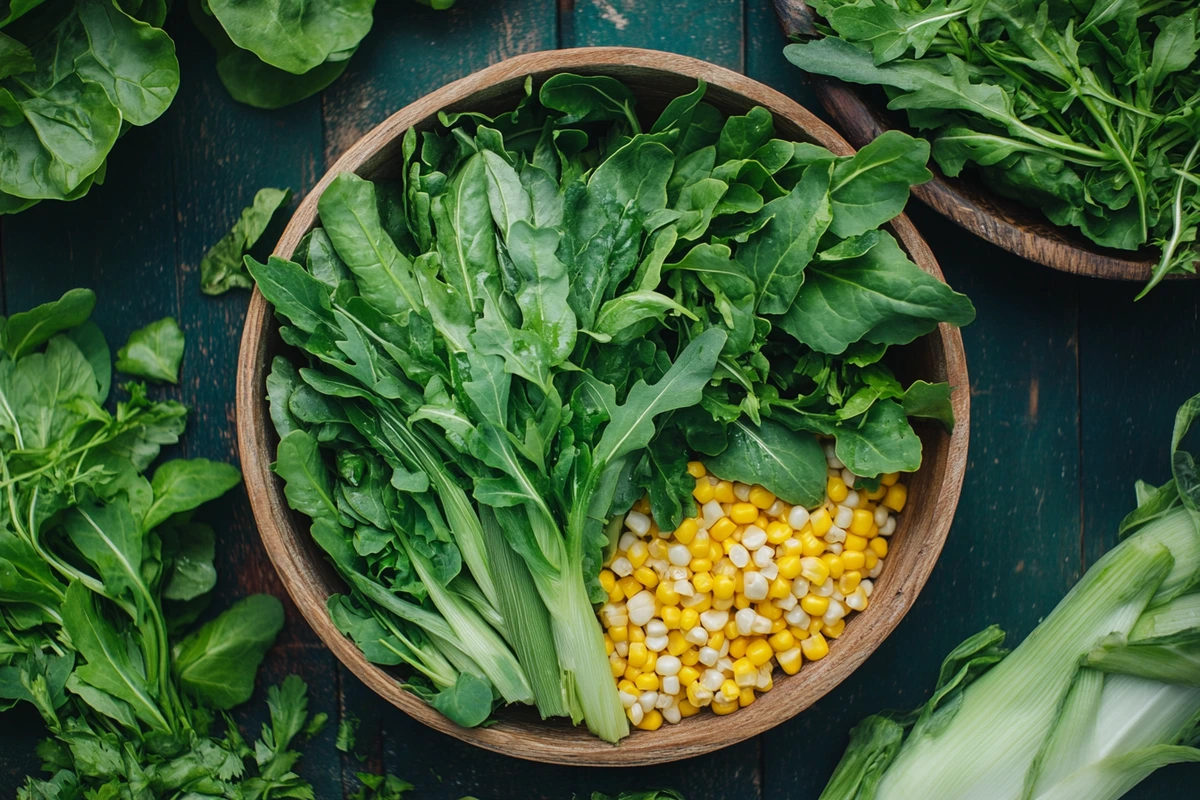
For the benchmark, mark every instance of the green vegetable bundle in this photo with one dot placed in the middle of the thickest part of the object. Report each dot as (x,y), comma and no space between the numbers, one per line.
(1086,109)
(75,75)
(103,571)
(1102,693)
(509,346)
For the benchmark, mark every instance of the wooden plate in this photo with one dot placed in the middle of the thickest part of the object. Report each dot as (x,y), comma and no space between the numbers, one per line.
(861,113)
(655,78)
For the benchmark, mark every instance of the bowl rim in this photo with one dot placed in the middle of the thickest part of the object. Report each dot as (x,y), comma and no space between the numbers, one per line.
(559,743)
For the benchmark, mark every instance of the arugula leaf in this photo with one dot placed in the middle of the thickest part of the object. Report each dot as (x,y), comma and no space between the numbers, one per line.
(222,267)
(153,352)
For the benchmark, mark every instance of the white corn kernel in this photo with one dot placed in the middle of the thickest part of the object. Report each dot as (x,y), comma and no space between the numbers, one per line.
(787,603)
(679,555)
(739,556)
(659,565)
(697,636)
(834,462)
(614,614)
(881,516)
(755,586)
(798,617)
(647,700)
(876,570)
(672,715)
(656,627)
(835,612)
(664,700)
(889,527)
(837,596)
(770,570)
(799,587)
(853,499)
(626,541)
(776,509)
(622,649)
(826,589)
(637,522)
(843,517)
(695,600)
(857,599)
(641,607)
(684,588)
(712,679)
(712,512)
(627,699)
(723,605)
(761,625)
(677,573)
(763,556)
(836,548)
(667,665)
(744,620)
(656,644)
(798,517)
(636,713)
(742,492)
(714,621)
(708,656)
(867,586)
(753,537)
(724,651)
(622,567)
(835,535)
(764,678)
(725,665)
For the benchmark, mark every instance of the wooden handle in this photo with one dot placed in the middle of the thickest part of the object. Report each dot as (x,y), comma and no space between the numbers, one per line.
(796,18)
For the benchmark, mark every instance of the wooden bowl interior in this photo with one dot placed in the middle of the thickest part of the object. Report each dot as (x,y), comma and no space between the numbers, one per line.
(655,78)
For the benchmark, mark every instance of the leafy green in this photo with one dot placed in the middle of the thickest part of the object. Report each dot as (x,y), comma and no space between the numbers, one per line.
(222,267)
(153,352)
(103,569)
(1083,110)
(791,463)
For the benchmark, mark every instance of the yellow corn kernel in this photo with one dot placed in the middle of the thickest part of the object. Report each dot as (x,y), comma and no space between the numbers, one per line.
(730,631)
(768,610)
(853,560)
(665,592)
(723,587)
(792,547)
(729,544)
(714,551)
(721,709)
(820,521)
(780,588)
(870,560)
(657,548)
(778,625)
(889,478)
(836,488)
(636,634)
(637,554)
(770,685)
(651,721)
(688,619)
(761,497)
(696,469)
(627,687)
(698,548)
(688,675)
(835,630)
(629,585)
(642,506)
(647,682)
(651,660)
(745,697)
(861,522)
(704,605)
(855,542)
(676,644)
(813,605)
(789,567)
(815,626)
(616,595)
(637,654)
(693,694)
(759,652)
(609,645)
(704,491)
(896,497)
(724,492)
(686,531)
(672,617)
(690,657)
(717,640)
(814,570)
(743,513)
(848,582)
(790,661)
(730,688)
(745,673)
(740,601)
(608,580)
(880,546)
(800,633)
(834,562)
(763,520)
(783,640)
(686,709)
(778,532)
(738,645)
(721,529)
(653,532)
(703,580)
(815,647)
(618,667)
(810,545)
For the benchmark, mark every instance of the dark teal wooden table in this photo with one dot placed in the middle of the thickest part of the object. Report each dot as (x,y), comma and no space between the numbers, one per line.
(1073,385)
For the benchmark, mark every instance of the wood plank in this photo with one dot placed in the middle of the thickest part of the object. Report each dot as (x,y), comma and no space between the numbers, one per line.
(764,57)
(707,29)
(1013,550)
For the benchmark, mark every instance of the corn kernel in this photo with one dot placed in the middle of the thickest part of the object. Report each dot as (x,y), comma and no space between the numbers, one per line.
(665,592)
(636,634)
(778,532)
(836,488)
(730,689)
(704,604)
(658,548)
(627,687)
(853,559)
(870,560)
(814,570)
(781,641)
(815,647)
(638,553)
(769,610)
(745,673)
(789,567)
(609,645)
(889,478)
(717,640)
(724,492)
(813,605)
(721,529)
(743,513)
(723,587)
(688,619)
(835,630)
(637,654)
(834,562)
(698,547)
(740,601)
(731,631)
(619,633)
(702,581)
(704,491)
(690,657)
(694,694)
(721,709)
(676,644)
(616,595)
(652,721)
(800,633)
(810,545)
(790,661)
(820,521)
(686,709)
(745,698)
(686,531)
(700,565)
(671,617)
(861,522)
(880,546)
(897,496)
(778,625)
(629,585)
(696,469)
(608,580)
(738,645)
(780,588)
(651,660)
(688,675)
(647,682)
(848,582)
(759,652)
(714,551)
(618,667)
(763,498)
(855,542)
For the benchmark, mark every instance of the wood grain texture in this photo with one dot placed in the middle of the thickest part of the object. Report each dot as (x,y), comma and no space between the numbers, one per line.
(861,114)
(654,78)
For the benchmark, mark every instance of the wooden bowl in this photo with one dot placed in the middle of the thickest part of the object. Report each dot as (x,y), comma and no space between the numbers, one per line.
(655,78)
(861,113)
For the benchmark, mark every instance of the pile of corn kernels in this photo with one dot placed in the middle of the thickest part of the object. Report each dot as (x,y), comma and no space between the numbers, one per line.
(701,615)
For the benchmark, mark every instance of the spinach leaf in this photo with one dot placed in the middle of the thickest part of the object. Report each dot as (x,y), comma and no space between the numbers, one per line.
(222,267)
(153,352)
(218,662)
(295,36)
(182,485)
(790,464)
(27,330)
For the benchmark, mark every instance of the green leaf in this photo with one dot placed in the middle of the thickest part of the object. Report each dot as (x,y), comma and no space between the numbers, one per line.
(542,288)
(307,482)
(872,187)
(94,347)
(222,267)
(297,296)
(743,135)
(110,538)
(628,317)
(15,57)
(891,32)
(153,352)
(218,663)
(182,485)
(26,330)
(1175,47)
(292,35)
(879,442)
(592,98)
(191,574)
(468,703)
(930,401)
(791,464)
(1173,659)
